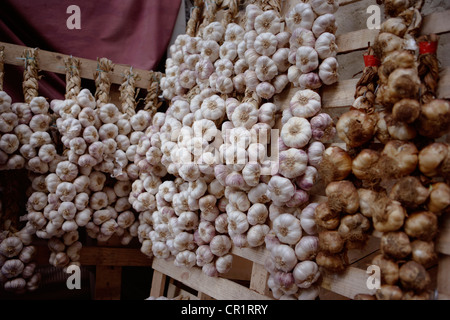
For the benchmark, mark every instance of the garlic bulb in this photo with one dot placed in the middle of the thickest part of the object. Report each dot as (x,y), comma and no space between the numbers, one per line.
(284,257)
(326,45)
(301,16)
(256,235)
(305,103)
(287,228)
(280,189)
(292,163)
(306,273)
(296,133)
(328,71)
(322,7)
(307,248)
(268,21)
(306,59)
(324,23)
(11,247)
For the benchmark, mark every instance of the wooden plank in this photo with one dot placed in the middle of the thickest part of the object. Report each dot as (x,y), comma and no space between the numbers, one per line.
(443,280)
(203,296)
(347,284)
(437,22)
(443,240)
(218,288)
(259,279)
(444,84)
(173,291)
(158,284)
(373,245)
(241,269)
(258,255)
(107,283)
(355,40)
(114,257)
(54,62)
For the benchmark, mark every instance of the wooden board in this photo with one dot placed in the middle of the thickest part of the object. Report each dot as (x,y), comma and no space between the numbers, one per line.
(348,284)
(443,241)
(54,62)
(218,288)
(443,279)
(107,283)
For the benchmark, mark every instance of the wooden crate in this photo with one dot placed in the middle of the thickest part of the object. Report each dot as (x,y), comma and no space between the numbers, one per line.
(168,279)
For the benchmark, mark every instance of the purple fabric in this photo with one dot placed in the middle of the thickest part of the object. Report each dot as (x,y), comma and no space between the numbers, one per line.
(132,32)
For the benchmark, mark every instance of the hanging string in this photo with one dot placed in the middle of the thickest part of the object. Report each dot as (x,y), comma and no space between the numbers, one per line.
(128,93)
(30,83)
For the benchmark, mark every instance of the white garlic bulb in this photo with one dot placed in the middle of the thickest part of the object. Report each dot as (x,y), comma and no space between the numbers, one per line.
(284,257)
(301,16)
(296,133)
(287,228)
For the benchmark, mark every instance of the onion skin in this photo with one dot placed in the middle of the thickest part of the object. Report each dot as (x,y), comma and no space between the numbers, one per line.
(336,165)
(414,276)
(409,192)
(422,225)
(423,252)
(330,262)
(389,269)
(439,198)
(342,196)
(395,245)
(434,160)
(406,110)
(390,218)
(353,228)
(331,241)
(434,120)
(356,127)
(364,166)
(398,159)
(325,217)
(389,292)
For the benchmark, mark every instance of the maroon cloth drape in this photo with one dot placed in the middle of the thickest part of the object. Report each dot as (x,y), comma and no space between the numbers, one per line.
(132,32)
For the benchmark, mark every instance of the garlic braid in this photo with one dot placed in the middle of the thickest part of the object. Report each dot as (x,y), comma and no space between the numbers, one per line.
(30,83)
(2,66)
(194,20)
(428,70)
(102,81)
(210,16)
(151,100)
(128,92)
(270,5)
(232,13)
(73,79)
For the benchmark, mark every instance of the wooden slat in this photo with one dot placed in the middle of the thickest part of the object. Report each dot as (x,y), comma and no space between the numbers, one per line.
(173,291)
(259,279)
(107,283)
(444,84)
(443,279)
(373,245)
(438,23)
(54,62)
(158,284)
(113,257)
(258,255)
(218,288)
(241,269)
(355,40)
(443,241)
(347,284)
